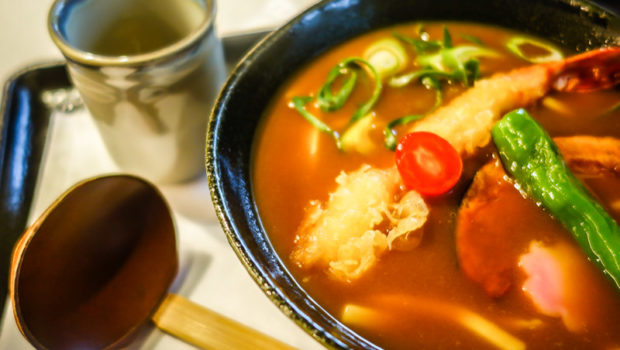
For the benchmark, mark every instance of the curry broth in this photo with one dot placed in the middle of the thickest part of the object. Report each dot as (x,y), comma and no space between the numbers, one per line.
(294,164)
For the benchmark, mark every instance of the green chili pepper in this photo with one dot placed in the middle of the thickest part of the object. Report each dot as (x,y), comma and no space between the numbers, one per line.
(529,154)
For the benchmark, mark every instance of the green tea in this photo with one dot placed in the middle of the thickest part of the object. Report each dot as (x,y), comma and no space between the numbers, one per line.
(131,27)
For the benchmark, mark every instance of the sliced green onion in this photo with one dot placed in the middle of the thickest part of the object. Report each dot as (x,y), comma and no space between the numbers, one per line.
(473,39)
(514,45)
(331,101)
(389,132)
(300,106)
(365,108)
(328,101)
(442,60)
(420,45)
(611,110)
(405,79)
(448,61)
(388,57)
(434,83)
(447,38)
(472,67)
(461,53)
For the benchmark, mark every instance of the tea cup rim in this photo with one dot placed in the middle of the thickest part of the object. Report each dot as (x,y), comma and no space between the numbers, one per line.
(56,17)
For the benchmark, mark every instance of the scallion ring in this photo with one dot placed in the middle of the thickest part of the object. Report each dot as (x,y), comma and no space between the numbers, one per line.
(329,101)
(515,43)
(365,108)
(300,105)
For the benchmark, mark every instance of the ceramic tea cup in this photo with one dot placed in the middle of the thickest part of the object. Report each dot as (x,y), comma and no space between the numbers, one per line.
(148,71)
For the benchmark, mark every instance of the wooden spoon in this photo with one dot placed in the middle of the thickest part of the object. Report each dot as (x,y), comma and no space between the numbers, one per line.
(97,265)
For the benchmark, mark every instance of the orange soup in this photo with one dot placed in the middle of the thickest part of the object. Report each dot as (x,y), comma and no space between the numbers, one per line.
(479,265)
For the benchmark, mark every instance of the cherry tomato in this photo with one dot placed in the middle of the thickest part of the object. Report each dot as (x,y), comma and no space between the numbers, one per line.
(428,163)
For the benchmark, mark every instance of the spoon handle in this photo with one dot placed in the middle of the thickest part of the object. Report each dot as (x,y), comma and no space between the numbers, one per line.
(207,329)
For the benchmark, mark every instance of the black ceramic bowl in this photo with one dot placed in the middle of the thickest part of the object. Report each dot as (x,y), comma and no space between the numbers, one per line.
(573,23)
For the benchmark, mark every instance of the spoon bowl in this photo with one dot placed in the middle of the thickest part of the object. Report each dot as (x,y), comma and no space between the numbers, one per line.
(95,268)
(78,284)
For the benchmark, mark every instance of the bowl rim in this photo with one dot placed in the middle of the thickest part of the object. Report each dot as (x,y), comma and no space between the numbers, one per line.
(267,285)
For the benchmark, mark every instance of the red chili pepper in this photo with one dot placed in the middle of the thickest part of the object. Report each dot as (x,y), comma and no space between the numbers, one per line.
(428,163)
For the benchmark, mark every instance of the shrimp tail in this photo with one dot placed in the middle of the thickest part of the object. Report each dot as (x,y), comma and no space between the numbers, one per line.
(593,70)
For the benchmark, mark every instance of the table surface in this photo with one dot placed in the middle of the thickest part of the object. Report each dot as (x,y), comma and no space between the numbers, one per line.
(214,277)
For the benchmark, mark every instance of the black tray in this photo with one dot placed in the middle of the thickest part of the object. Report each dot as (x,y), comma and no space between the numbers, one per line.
(24,122)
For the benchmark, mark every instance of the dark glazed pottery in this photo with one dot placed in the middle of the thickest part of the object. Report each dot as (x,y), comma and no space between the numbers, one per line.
(573,23)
